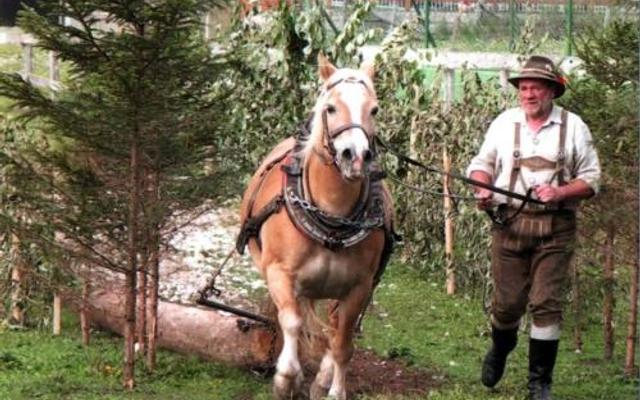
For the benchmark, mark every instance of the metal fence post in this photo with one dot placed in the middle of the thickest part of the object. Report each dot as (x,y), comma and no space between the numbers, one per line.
(568,11)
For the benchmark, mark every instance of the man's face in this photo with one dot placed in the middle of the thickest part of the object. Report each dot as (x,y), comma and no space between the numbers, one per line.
(536,97)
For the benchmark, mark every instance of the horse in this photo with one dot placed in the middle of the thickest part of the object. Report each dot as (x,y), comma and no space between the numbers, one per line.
(318,222)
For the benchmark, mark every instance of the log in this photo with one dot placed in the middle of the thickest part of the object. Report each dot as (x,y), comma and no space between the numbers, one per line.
(194,330)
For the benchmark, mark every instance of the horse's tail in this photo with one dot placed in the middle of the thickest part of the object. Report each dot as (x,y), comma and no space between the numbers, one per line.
(314,335)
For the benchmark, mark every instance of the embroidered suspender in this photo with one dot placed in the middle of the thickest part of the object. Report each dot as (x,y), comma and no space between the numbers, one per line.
(515,165)
(559,164)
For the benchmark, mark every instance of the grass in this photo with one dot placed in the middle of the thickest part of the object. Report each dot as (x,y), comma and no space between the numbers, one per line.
(451,334)
(411,318)
(36,365)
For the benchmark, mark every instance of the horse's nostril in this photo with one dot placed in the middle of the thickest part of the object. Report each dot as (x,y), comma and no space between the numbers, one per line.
(347,154)
(367,156)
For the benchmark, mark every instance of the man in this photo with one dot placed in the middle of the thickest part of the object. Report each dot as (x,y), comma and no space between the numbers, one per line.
(542,150)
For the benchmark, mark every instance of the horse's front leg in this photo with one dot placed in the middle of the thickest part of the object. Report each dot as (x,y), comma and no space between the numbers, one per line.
(342,339)
(288,378)
(324,377)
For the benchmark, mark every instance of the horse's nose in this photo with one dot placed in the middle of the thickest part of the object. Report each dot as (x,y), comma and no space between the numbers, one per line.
(347,154)
(367,156)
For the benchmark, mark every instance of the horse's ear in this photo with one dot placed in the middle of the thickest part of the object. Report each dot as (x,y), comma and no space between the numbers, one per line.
(369,68)
(325,68)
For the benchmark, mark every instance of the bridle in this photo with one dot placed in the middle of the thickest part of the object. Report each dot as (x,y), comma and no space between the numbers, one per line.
(329,136)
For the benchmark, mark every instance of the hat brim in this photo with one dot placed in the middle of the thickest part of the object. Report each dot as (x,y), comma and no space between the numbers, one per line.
(558,87)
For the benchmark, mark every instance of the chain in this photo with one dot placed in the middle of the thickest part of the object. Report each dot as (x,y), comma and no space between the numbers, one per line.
(210,288)
(306,205)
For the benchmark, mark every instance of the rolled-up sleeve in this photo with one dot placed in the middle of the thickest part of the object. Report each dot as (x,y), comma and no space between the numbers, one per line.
(485,160)
(586,162)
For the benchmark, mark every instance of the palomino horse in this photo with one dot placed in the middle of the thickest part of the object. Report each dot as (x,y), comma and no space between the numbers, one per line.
(317,220)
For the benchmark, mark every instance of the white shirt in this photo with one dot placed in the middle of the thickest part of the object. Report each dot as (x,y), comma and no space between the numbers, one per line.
(496,153)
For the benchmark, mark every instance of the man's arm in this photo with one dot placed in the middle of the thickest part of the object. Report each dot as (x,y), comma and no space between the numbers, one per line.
(574,190)
(483,196)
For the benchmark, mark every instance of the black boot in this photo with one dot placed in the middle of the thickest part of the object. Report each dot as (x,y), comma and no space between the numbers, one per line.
(542,358)
(504,340)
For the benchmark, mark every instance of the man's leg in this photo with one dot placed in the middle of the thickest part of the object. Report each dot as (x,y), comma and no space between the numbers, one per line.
(510,268)
(550,272)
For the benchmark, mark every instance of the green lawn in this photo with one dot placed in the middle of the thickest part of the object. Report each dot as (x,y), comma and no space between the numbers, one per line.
(412,317)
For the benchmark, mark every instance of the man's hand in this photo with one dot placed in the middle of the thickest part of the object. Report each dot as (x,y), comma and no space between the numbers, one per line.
(484,198)
(549,194)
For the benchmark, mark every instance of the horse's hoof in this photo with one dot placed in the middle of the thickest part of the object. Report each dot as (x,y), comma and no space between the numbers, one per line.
(317,392)
(287,387)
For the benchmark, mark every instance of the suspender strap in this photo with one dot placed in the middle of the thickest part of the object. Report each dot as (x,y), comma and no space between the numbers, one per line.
(515,165)
(561,153)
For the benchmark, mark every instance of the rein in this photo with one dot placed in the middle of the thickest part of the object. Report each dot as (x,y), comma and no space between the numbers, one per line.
(500,216)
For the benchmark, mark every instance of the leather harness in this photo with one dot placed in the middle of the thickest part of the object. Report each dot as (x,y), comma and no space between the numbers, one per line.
(332,231)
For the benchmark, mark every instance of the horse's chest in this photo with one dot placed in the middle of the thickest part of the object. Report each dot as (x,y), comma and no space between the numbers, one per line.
(328,276)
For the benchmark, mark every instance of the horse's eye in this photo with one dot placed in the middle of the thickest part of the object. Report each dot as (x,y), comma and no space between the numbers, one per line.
(374,111)
(331,108)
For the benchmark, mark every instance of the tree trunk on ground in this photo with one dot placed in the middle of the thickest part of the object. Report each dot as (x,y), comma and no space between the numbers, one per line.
(629,362)
(608,303)
(193,330)
(84,314)
(128,369)
(57,313)
(17,271)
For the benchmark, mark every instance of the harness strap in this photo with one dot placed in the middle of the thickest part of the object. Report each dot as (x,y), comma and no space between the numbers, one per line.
(515,165)
(251,227)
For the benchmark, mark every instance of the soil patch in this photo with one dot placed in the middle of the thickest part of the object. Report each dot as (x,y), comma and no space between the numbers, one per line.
(371,374)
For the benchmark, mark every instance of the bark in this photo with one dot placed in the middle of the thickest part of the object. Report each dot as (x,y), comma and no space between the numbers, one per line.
(84,314)
(141,316)
(608,303)
(194,330)
(152,316)
(128,369)
(629,362)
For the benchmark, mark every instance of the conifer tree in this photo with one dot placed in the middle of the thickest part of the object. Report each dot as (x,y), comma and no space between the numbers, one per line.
(119,147)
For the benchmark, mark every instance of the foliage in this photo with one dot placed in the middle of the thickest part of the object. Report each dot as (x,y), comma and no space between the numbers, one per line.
(606,97)
(140,76)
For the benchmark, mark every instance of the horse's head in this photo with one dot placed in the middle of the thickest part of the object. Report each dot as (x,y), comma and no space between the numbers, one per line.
(343,126)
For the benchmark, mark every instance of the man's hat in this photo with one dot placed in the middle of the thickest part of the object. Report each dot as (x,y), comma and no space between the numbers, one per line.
(538,67)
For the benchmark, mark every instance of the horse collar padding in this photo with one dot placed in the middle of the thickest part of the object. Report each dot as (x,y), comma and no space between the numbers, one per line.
(332,231)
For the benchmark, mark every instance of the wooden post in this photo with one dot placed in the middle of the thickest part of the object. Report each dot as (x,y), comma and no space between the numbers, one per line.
(407,4)
(448,226)
(57,313)
(84,314)
(27,60)
(449,87)
(54,68)
(448,220)
(504,79)
(577,307)
(17,313)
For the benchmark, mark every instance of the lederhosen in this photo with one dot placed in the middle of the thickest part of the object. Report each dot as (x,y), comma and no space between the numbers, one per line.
(531,255)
